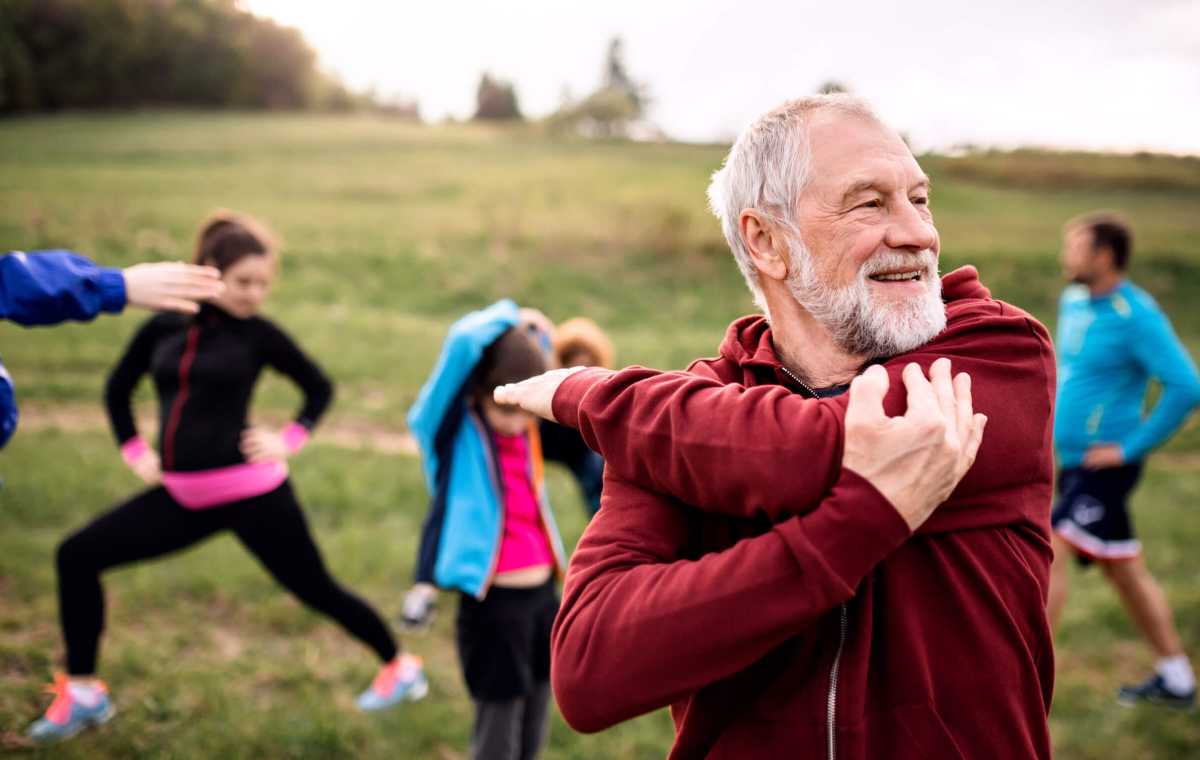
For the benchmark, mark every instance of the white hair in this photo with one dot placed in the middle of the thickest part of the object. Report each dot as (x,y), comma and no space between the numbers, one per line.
(766,170)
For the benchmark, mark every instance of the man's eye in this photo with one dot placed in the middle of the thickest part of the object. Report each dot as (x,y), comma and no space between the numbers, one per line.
(871,204)
(920,201)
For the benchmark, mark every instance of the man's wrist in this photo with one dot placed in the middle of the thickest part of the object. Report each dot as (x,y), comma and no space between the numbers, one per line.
(570,392)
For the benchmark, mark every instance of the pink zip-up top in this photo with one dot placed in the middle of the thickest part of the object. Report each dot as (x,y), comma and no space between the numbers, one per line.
(524,543)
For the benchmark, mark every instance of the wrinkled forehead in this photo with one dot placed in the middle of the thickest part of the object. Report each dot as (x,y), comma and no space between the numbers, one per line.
(850,152)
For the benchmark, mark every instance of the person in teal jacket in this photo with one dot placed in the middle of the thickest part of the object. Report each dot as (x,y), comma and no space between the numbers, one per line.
(490,534)
(1112,340)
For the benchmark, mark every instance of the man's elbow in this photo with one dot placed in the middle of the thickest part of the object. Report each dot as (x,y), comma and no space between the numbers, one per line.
(582,687)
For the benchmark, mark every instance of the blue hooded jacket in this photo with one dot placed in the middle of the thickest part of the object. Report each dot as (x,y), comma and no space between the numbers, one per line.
(47,287)
(460,541)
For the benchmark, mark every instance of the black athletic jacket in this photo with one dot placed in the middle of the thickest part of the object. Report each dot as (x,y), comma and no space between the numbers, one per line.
(204,369)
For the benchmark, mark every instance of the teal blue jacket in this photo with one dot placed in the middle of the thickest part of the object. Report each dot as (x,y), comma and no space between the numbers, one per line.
(1109,347)
(460,541)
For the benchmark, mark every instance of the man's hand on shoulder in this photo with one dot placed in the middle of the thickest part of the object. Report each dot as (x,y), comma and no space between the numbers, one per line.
(915,460)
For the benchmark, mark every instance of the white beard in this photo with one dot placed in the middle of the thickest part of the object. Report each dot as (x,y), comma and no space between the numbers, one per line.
(860,326)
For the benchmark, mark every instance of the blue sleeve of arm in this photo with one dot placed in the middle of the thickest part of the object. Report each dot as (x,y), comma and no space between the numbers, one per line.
(8,407)
(1166,359)
(461,351)
(46,287)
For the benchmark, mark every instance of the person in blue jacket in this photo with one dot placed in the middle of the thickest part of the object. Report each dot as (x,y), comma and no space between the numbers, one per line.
(48,287)
(489,533)
(1112,340)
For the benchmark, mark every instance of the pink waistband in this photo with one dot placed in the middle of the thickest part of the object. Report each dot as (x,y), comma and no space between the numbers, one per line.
(224,485)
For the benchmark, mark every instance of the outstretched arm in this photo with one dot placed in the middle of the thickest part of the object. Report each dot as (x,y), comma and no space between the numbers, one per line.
(47,287)
(44,288)
(764,450)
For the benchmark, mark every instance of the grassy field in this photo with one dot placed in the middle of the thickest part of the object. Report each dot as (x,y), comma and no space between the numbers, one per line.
(392,231)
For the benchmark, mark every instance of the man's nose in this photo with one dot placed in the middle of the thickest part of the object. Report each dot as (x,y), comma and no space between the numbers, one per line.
(909,229)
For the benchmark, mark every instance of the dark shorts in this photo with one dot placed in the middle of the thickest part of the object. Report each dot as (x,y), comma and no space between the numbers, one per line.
(504,640)
(1092,512)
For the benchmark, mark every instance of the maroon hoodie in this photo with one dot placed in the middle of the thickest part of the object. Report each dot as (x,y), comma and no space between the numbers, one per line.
(779,604)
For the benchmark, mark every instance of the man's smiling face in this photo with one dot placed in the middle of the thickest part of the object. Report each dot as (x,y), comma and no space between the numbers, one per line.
(866,265)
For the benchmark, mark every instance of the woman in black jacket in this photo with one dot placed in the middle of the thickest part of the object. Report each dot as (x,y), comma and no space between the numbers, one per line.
(212,473)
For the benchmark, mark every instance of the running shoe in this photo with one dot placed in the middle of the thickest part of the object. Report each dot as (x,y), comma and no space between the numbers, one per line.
(419,610)
(400,680)
(67,716)
(1154,691)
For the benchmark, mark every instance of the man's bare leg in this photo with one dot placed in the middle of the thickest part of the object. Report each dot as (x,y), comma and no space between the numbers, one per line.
(1174,683)
(1146,603)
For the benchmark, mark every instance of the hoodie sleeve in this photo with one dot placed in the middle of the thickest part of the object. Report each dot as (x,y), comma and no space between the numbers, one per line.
(635,597)
(764,450)
(47,287)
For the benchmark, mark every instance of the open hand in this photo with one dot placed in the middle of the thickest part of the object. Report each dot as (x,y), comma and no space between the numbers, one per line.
(535,395)
(171,286)
(915,460)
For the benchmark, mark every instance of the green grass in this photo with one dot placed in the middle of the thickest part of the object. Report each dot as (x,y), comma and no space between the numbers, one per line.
(391,232)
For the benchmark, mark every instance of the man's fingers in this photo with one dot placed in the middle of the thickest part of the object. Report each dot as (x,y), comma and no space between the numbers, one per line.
(943,391)
(921,399)
(975,439)
(866,395)
(508,394)
(964,406)
(535,395)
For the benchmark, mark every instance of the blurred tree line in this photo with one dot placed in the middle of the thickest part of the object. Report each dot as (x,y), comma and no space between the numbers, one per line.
(613,108)
(57,54)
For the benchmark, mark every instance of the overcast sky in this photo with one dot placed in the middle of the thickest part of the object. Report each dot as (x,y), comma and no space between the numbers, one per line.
(1103,74)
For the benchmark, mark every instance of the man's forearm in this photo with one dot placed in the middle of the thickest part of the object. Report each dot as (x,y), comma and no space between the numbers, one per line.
(719,447)
(641,627)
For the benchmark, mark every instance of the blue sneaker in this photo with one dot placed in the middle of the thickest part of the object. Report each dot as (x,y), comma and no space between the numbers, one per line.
(1154,691)
(67,716)
(400,680)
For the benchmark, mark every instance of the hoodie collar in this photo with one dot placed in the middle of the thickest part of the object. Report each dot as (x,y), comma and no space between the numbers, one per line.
(748,340)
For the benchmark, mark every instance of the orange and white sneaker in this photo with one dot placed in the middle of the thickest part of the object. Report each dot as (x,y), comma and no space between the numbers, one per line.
(76,706)
(402,679)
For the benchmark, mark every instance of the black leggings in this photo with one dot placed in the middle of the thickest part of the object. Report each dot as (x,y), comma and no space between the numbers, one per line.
(153,524)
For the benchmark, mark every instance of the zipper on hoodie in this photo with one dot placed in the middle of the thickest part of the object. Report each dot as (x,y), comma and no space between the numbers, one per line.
(831,699)
(185,367)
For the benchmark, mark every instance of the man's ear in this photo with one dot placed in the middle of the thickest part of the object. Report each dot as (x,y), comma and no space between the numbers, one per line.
(766,243)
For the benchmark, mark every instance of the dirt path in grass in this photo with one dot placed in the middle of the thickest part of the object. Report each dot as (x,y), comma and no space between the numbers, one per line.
(346,432)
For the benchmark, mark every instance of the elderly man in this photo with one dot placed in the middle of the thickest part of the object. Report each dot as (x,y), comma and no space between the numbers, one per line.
(747,567)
